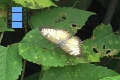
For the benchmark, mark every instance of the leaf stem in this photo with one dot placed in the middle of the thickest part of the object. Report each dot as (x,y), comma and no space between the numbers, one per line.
(23,71)
(1,36)
(41,72)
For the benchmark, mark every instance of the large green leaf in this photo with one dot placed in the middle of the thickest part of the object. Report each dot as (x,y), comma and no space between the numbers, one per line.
(61,18)
(35,4)
(10,63)
(103,42)
(35,48)
(78,72)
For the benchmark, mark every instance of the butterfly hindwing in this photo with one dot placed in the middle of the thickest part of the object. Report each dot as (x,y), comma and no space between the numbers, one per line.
(72,46)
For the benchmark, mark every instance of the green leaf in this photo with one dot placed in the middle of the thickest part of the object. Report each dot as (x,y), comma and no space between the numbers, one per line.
(66,18)
(3,12)
(35,4)
(112,78)
(10,63)
(78,72)
(33,77)
(35,48)
(80,4)
(3,6)
(103,42)
(3,26)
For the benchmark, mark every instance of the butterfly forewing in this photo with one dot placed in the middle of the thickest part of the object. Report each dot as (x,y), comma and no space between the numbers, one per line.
(72,46)
(55,35)
(63,34)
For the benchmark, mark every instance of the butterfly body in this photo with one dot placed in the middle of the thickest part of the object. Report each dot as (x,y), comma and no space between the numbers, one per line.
(63,39)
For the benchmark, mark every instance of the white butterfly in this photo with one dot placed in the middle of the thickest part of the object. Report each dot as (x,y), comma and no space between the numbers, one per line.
(62,38)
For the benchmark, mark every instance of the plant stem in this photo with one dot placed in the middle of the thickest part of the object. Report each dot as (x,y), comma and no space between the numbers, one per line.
(110,12)
(1,36)
(23,71)
(41,73)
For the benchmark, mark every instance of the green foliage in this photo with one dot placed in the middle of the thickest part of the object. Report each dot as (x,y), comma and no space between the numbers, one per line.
(34,47)
(10,63)
(56,64)
(103,39)
(3,16)
(3,26)
(35,4)
(81,4)
(3,6)
(61,17)
(78,72)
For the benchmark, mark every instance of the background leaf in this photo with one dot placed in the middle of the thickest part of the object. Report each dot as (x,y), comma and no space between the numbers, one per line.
(3,26)
(35,4)
(70,19)
(33,77)
(103,42)
(10,63)
(78,72)
(81,4)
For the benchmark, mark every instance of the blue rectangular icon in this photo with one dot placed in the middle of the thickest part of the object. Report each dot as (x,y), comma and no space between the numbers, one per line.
(16,24)
(16,9)
(16,17)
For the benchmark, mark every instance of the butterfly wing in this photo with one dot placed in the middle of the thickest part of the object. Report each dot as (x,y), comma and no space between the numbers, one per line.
(55,35)
(72,46)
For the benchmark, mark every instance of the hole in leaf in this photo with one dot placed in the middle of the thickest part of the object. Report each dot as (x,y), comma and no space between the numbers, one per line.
(95,50)
(73,25)
(103,46)
(61,18)
(108,51)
